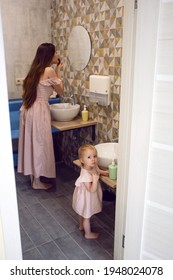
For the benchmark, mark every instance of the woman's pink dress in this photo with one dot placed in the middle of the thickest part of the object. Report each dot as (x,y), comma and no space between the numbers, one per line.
(35,149)
(86,203)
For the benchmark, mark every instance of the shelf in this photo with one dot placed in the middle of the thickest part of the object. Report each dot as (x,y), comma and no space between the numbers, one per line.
(76,123)
(111,183)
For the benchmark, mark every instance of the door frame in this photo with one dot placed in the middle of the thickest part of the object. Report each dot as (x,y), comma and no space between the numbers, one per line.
(129,27)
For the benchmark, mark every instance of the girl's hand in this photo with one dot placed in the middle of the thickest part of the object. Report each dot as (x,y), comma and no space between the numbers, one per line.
(95,177)
(105,172)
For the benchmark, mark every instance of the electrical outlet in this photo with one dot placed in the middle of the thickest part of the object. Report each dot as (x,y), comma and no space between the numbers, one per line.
(19,81)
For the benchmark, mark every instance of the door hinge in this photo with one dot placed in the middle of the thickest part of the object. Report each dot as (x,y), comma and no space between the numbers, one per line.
(123,241)
(136,4)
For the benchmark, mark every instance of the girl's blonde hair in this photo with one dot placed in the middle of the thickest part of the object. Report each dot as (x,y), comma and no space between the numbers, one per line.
(85,147)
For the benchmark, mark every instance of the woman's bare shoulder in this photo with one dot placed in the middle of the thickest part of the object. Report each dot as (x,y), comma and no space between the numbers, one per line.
(49,72)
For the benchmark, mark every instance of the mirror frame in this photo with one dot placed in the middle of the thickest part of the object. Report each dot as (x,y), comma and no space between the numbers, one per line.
(79,48)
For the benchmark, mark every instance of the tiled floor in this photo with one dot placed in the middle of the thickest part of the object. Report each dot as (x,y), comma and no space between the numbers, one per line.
(49,226)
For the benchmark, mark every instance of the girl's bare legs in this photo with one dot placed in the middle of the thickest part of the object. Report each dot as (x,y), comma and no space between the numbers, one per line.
(38,185)
(87,229)
(81,223)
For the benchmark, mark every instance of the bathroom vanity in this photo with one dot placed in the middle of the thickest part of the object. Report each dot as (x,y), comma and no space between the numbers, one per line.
(75,123)
(78,123)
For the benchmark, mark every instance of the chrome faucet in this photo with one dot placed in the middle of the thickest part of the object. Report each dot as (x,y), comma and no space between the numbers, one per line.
(71,98)
(114,140)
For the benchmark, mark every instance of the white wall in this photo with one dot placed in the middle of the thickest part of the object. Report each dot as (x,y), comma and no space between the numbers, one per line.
(26,24)
(2,252)
(10,244)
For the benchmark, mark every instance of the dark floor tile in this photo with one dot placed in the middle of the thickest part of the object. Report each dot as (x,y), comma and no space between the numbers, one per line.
(20,202)
(28,196)
(27,243)
(108,194)
(109,210)
(50,224)
(50,251)
(60,190)
(43,195)
(104,221)
(22,186)
(65,203)
(33,254)
(91,247)
(71,249)
(51,205)
(65,220)
(105,240)
(56,209)
(69,187)
(65,173)
(70,196)
(35,231)
(20,177)
(73,214)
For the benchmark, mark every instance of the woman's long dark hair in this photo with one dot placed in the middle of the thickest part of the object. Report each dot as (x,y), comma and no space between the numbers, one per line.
(43,58)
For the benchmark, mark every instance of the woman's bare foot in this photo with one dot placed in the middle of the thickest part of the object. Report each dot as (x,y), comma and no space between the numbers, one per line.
(92,235)
(38,185)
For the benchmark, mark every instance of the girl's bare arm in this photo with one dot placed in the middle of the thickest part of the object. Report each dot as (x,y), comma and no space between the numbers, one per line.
(103,172)
(92,186)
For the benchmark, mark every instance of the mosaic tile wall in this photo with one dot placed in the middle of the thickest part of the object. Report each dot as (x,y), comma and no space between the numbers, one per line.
(103,21)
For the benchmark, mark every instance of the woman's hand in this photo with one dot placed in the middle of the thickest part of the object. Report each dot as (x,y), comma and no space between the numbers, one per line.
(58,68)
(59,63)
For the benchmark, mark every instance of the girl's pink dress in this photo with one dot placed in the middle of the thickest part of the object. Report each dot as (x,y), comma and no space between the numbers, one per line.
(86,203)
(35,149)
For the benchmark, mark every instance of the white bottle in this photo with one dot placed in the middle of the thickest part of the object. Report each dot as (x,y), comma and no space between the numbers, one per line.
(85,114)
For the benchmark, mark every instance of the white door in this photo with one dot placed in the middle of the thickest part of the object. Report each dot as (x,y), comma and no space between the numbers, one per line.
(139,57)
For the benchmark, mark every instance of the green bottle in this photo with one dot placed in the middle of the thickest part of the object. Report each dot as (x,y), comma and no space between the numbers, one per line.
(113,170)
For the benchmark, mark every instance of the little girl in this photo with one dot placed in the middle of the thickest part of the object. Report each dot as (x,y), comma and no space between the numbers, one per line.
(87,196)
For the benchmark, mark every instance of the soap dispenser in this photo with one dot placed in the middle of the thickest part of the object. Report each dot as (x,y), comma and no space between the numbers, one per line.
(112,170)
(85,114)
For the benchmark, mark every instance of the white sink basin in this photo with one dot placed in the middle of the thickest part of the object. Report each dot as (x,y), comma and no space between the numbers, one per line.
(64,111)
(106,153)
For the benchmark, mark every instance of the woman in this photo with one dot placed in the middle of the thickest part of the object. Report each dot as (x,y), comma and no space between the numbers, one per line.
(35,151)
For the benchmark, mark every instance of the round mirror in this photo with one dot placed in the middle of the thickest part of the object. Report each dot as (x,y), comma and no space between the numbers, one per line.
(79,47)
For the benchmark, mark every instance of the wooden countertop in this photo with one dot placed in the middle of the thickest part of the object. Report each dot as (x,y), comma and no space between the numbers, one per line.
(76,123)
(111,183)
